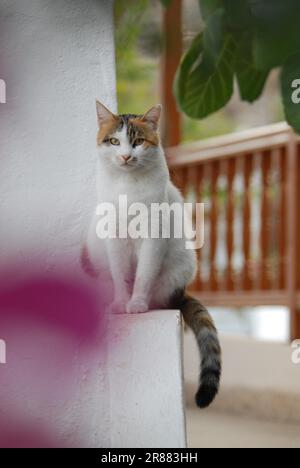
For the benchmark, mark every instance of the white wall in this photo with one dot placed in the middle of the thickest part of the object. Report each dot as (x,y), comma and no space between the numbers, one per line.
(124,392)
(145,381)
(57,56)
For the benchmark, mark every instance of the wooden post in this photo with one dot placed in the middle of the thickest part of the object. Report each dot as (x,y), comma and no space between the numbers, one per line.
(247,169)
(231,171)
(265,219)
(292,166)
(172,36)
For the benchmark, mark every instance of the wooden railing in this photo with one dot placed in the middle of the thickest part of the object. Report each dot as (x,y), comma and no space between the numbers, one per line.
(250,184)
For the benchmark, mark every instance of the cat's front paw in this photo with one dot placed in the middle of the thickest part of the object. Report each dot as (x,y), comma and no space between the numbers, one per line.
(117,308)
(137,305)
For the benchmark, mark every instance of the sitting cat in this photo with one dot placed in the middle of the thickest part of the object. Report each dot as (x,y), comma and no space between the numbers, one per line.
(147,273)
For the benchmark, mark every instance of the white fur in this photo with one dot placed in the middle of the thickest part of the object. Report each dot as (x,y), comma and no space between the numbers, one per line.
(157,267)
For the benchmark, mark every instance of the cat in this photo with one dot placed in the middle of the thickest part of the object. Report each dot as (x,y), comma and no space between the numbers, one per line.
(151,273)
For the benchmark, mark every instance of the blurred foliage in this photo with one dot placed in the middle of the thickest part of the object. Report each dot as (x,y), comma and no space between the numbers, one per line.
(138,52)
(137,73)
(243,40)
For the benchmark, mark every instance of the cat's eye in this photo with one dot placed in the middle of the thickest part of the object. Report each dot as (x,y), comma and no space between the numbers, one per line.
(114,142)
(139,141)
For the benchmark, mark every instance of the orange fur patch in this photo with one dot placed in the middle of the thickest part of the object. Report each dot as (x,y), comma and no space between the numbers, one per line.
(107,128)
(151,136)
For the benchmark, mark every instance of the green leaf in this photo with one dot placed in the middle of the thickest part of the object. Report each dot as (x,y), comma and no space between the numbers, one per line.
(200,90)
(238,14)
(192,55)
(166,3)
(289,77)
(271,50)
(251,80)
(276,27)
(272,14)
(209,7)
(213,37)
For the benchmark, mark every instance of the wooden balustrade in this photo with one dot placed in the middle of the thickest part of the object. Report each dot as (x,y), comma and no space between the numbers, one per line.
(250,184)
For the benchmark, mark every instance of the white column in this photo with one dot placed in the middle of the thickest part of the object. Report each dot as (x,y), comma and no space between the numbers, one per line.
(145,381)
(56,58)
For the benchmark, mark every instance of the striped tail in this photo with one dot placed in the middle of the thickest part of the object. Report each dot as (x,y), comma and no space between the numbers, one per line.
(201,323)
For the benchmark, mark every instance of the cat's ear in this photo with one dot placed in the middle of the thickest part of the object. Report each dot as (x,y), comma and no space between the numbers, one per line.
(152,117)
(104,115)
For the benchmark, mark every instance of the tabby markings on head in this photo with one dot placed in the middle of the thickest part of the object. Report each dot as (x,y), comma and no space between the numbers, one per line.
(136,128)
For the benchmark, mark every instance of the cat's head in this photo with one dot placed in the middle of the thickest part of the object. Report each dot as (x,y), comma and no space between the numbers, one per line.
(128,142)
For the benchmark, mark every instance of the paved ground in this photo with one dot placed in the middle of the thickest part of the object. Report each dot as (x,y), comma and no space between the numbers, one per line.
(216,430)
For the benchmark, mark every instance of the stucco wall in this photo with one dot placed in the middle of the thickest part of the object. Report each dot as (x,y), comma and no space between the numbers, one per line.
(145,381)
(57,56)
(58,388)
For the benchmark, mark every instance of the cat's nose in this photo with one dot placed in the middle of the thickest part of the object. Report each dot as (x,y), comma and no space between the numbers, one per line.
(126,157)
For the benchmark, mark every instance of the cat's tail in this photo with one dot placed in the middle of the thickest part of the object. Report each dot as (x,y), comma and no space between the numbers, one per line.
(201,323)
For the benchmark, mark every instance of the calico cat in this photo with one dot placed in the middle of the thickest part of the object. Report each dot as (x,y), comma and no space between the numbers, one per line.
(154,272)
